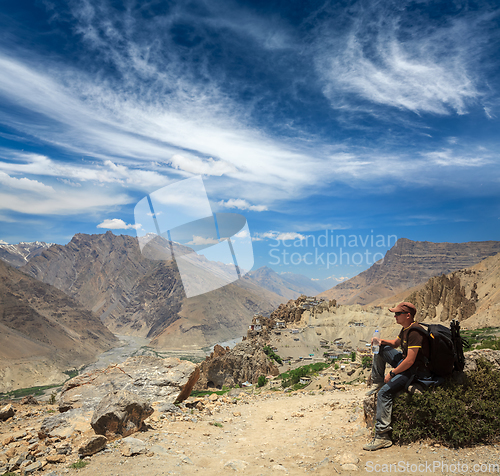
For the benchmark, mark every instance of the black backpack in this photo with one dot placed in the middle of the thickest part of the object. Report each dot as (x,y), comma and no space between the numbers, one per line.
(446,347)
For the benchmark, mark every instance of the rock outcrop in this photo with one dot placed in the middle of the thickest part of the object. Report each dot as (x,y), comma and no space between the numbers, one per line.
(407,264)
(232,367)
(292,311)
(117,400)
(120,413)
(444,295)
(165,380)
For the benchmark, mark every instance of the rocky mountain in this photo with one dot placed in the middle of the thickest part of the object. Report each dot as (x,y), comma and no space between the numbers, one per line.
(471,295)
(43,332)
(408,264)
(230,367)
(135,295)
(18,255)
(288,285)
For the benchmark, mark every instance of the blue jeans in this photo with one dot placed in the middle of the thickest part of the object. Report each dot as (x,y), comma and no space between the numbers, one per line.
(386,395)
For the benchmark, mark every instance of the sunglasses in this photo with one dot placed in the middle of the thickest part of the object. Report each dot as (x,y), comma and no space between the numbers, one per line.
(399,313)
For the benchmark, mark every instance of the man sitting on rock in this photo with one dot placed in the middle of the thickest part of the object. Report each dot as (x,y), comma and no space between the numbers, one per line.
(408,364)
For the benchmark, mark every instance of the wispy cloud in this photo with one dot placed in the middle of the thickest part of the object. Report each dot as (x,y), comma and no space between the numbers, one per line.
(100,172)
(447,158)
(278,236)
(407,65)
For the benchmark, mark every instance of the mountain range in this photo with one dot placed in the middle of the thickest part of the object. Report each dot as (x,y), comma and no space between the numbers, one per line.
(135,295)
(19,254)
(408,264)
(57,310)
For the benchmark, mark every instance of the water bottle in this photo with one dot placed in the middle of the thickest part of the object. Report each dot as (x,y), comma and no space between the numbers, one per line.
(376,342)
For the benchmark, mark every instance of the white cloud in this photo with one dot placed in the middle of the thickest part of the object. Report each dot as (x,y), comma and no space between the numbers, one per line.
(201,240)
(339,279)
(241,204)
(242,234)
(408,68)
(117,224)
(24,184)
(197,166)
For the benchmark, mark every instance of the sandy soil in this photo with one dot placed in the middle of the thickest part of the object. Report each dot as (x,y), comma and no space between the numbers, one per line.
(264,433)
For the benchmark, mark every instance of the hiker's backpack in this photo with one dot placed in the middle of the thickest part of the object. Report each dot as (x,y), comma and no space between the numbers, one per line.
(446,347)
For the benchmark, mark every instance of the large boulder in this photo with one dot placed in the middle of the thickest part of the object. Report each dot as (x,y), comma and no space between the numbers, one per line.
(120,413)
(163,380)
(6,412)
(231,367)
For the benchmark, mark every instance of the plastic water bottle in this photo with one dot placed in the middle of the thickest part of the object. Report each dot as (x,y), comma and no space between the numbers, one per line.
(376,342)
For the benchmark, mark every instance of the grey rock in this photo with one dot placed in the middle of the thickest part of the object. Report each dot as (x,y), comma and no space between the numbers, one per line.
(92,445)
(472,357)
(53,425)
(17,461)
(7,412)
(236,465)
(162,380)
(120,413)
(31,468)
(370,408)
(168,408)
(349,467)
(64,450)
(133,446)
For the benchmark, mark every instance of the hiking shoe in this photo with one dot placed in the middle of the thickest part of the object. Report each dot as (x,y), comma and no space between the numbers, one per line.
(375,389)
(378,443)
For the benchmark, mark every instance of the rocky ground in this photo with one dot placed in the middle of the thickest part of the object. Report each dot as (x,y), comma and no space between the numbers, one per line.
(249,432)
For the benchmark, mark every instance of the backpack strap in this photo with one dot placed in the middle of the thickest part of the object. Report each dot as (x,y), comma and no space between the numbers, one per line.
(424,333)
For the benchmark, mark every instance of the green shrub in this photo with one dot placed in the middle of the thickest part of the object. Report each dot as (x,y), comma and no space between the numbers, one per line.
(454,415)
(79,464)
(367,361)
(261,381)
(272,355)
(292,377)
(353,356)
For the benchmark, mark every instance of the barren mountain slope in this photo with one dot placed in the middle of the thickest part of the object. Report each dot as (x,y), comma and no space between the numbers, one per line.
(407,264)
(43,332)
(470,295)
(137,296)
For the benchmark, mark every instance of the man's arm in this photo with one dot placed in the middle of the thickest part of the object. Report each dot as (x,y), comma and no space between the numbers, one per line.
(405,364)
(394,343)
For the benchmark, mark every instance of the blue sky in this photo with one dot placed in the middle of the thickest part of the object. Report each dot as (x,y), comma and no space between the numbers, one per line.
(354,118)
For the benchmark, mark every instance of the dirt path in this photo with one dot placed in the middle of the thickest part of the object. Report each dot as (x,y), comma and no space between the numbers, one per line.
(267,434)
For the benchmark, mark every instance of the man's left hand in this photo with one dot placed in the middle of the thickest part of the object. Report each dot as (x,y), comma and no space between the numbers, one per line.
(387,378)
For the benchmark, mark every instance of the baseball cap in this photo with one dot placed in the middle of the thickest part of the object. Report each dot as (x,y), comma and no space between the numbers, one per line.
(404,307)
